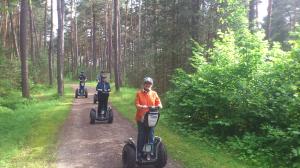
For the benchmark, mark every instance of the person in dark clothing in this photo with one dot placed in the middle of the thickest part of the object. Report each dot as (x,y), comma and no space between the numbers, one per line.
(103,89)
(82,79)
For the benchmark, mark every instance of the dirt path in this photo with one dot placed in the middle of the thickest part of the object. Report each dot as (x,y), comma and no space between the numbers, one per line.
(100,145)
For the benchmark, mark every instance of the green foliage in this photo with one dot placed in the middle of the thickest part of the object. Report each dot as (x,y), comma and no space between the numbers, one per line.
(244,91)
(188,148)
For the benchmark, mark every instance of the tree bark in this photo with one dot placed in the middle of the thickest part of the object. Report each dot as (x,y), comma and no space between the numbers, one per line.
(125,40)
(251,15)
(269,20)
(109,37)
(76,43)
(38,45)
(4,37)
(32,53)
(116,44)
(94,40)
(50,48)
(60,47)
(23,45)
(45,24)
(294,21)
(15,41)
(72,40)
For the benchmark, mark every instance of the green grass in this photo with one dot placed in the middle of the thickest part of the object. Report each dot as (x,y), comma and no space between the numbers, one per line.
(29,128)
(188,149)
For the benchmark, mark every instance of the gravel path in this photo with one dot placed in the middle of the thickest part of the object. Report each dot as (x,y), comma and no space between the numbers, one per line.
(82,145)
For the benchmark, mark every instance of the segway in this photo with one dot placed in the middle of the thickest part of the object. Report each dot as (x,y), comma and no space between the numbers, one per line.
(95,98)
(152,154)
(82,90)
(102,115)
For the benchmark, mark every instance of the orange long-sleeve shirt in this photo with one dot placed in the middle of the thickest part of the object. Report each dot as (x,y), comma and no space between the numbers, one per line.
(145,98)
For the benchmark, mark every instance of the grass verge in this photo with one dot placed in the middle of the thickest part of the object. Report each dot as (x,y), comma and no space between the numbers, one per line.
(29,130)
(188,149)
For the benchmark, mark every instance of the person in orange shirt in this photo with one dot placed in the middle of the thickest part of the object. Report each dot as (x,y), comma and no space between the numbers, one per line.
(145,98)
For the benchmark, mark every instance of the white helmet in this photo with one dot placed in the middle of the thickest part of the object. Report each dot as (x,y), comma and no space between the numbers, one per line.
(148,80)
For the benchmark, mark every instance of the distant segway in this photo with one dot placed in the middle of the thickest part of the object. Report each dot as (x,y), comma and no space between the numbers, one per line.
(102,115)
(82,90)
(153,154)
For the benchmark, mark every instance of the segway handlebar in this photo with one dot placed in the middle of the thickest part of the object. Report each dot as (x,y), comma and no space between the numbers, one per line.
(153,108)
(103,91)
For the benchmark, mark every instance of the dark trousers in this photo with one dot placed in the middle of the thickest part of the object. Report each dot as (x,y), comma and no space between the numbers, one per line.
(142,134)
(81,87)
(102,101)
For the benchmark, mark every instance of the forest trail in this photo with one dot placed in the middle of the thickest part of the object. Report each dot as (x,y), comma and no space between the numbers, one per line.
(95,146)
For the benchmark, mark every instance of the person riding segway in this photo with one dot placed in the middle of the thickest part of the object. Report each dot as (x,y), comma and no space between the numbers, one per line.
(82,91)
(104,112)
(149,150)
(103,88)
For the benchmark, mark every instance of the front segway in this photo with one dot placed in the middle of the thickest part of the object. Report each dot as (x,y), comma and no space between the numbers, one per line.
(152,154)
(103,115)
(95,98)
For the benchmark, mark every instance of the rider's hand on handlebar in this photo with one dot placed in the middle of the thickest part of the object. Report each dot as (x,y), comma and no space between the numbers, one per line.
(144,106)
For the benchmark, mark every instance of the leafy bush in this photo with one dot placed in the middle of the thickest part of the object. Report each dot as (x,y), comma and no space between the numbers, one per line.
(244,93)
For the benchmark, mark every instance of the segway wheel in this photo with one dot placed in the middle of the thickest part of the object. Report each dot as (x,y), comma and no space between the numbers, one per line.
(76,93)
(95,98)
(86,93)
(162,156)
(92,116)
(128,157)
(111,116)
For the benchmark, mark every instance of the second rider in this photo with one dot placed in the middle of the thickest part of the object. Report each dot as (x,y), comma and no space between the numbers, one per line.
(103,89)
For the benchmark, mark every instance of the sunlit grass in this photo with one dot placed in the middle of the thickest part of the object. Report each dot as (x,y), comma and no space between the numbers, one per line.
(29,132)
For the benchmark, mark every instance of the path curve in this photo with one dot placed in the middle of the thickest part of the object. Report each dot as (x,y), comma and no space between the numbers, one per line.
(82,145)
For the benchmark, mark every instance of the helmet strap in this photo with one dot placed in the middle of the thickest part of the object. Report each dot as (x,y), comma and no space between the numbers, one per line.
(146,90)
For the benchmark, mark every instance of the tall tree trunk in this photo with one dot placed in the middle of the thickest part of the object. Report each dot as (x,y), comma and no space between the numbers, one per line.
(140,24)
(94,41)
(72,40)
(116,44)
(60,47)
(45,24)
(100,63)
(15,42)
(256,12)
(38,45)
(23,45)
(195,19)
(132,40)
(105,58)
(125,40)
(76,42)
(269,20)
(4,37)
(109,37)
(120,51)
(251,15)
(32,53)
(295,11)
(139,44)
(50,49)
